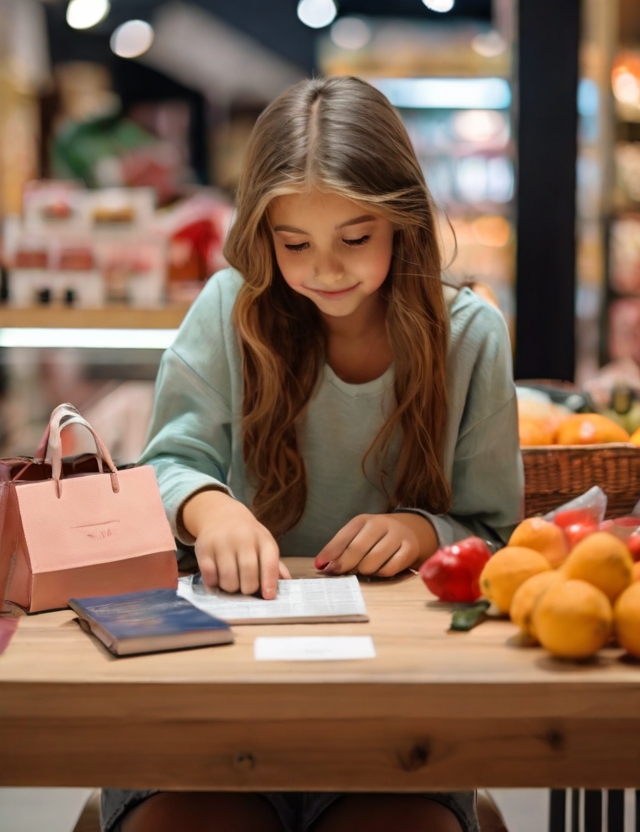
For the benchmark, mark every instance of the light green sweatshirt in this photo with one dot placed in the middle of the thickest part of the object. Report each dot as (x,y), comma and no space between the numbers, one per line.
(194,438)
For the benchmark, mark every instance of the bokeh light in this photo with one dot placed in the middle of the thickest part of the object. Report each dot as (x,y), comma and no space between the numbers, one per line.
(83,14)
(351,33)
(439,5)
(317,13)
(132,39)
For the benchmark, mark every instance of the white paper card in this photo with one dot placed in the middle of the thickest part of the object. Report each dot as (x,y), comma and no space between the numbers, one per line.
(313,648)
(303,599)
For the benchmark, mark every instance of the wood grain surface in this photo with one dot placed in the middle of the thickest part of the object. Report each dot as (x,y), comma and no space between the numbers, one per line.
(433,710)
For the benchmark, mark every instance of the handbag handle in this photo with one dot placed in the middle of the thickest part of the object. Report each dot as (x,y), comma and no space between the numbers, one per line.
(58,413)
(55,445)
(66,409)
(53,439)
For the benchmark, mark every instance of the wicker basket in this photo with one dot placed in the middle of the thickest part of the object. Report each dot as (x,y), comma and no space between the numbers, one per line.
(555,474)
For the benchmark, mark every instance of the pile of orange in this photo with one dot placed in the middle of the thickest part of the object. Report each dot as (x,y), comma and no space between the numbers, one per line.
(572,601)
(547,424)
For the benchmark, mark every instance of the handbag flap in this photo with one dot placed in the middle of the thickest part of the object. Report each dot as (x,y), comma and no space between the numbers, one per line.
(90,523)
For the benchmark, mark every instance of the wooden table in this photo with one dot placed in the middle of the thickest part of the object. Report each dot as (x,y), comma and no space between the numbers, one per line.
(433,710)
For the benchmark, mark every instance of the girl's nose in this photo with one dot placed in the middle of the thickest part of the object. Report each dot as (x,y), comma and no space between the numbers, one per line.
(329,270)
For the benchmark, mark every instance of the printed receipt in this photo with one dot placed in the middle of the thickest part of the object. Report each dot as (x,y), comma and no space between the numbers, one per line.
(303,599)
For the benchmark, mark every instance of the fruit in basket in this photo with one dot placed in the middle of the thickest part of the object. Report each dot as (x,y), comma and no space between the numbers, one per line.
(635,572)
(635,437)
(577,523)
(534,432)
(590,429)
(573,619)
(601,560)
(538,421)
(527,596)
(507,570)
(626,620)
(453,572)
(542,536)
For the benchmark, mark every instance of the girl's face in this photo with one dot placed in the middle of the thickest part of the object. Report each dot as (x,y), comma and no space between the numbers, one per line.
(333,251)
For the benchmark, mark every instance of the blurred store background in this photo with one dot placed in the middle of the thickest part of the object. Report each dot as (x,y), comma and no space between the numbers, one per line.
(122,126)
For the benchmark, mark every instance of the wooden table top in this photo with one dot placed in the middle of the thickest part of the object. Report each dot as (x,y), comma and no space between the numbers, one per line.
(434,709)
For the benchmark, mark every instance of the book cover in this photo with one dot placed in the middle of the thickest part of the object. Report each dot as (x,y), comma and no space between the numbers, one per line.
(149,621)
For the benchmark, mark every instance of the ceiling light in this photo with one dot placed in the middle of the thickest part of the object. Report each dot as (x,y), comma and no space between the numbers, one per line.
(351,33)
(132,39)
(317,13)
(439,5)
(83,14)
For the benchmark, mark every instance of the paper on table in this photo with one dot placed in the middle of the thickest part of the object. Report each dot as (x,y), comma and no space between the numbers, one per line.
(298,600)
(314,648)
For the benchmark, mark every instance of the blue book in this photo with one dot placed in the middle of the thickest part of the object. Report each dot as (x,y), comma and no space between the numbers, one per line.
(148,622)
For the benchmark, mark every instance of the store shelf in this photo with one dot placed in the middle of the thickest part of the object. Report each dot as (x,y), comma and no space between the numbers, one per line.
(109,317)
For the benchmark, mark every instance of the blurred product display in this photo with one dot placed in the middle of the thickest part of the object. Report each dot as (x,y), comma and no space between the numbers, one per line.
(452,87)
(87,248)
(621,314)
(95,142)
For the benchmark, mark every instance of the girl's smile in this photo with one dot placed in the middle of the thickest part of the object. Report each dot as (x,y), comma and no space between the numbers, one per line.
(336,294)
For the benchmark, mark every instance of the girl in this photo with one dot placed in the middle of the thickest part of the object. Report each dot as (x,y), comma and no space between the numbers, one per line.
(327,397)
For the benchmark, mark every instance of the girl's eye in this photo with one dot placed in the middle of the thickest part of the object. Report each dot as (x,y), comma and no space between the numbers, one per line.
(297,247)
(359,242)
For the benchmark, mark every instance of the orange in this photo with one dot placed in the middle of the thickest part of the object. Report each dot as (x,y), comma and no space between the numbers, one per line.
(527,596)
(573,619)
(534,432)
(544,537)
(626,619)
(590,429)
(635,571)
(635,438)
(552,415)
(602,560)
(506,570)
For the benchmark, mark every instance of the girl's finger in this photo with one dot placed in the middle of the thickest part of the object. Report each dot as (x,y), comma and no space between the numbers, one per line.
(398,562)
(377,557)
(283,571)
(227,564)
(248,570)
(339,542)
(208,570)
(369,537)
(269,567)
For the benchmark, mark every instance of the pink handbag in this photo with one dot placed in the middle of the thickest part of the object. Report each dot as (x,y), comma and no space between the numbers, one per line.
(76,530)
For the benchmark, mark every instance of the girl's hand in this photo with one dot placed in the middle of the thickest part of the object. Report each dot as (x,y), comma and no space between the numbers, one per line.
(234,551)
(379,544)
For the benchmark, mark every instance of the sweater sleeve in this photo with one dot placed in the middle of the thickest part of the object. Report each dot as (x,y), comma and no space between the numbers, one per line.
(189,438)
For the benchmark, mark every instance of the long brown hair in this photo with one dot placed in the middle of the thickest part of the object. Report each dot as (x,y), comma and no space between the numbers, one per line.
(339,135)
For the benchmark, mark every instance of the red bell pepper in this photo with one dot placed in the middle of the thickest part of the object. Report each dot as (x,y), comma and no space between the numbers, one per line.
(453,572)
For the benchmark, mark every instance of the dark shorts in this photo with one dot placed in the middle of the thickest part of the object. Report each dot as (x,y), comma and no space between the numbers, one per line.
(297,810)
